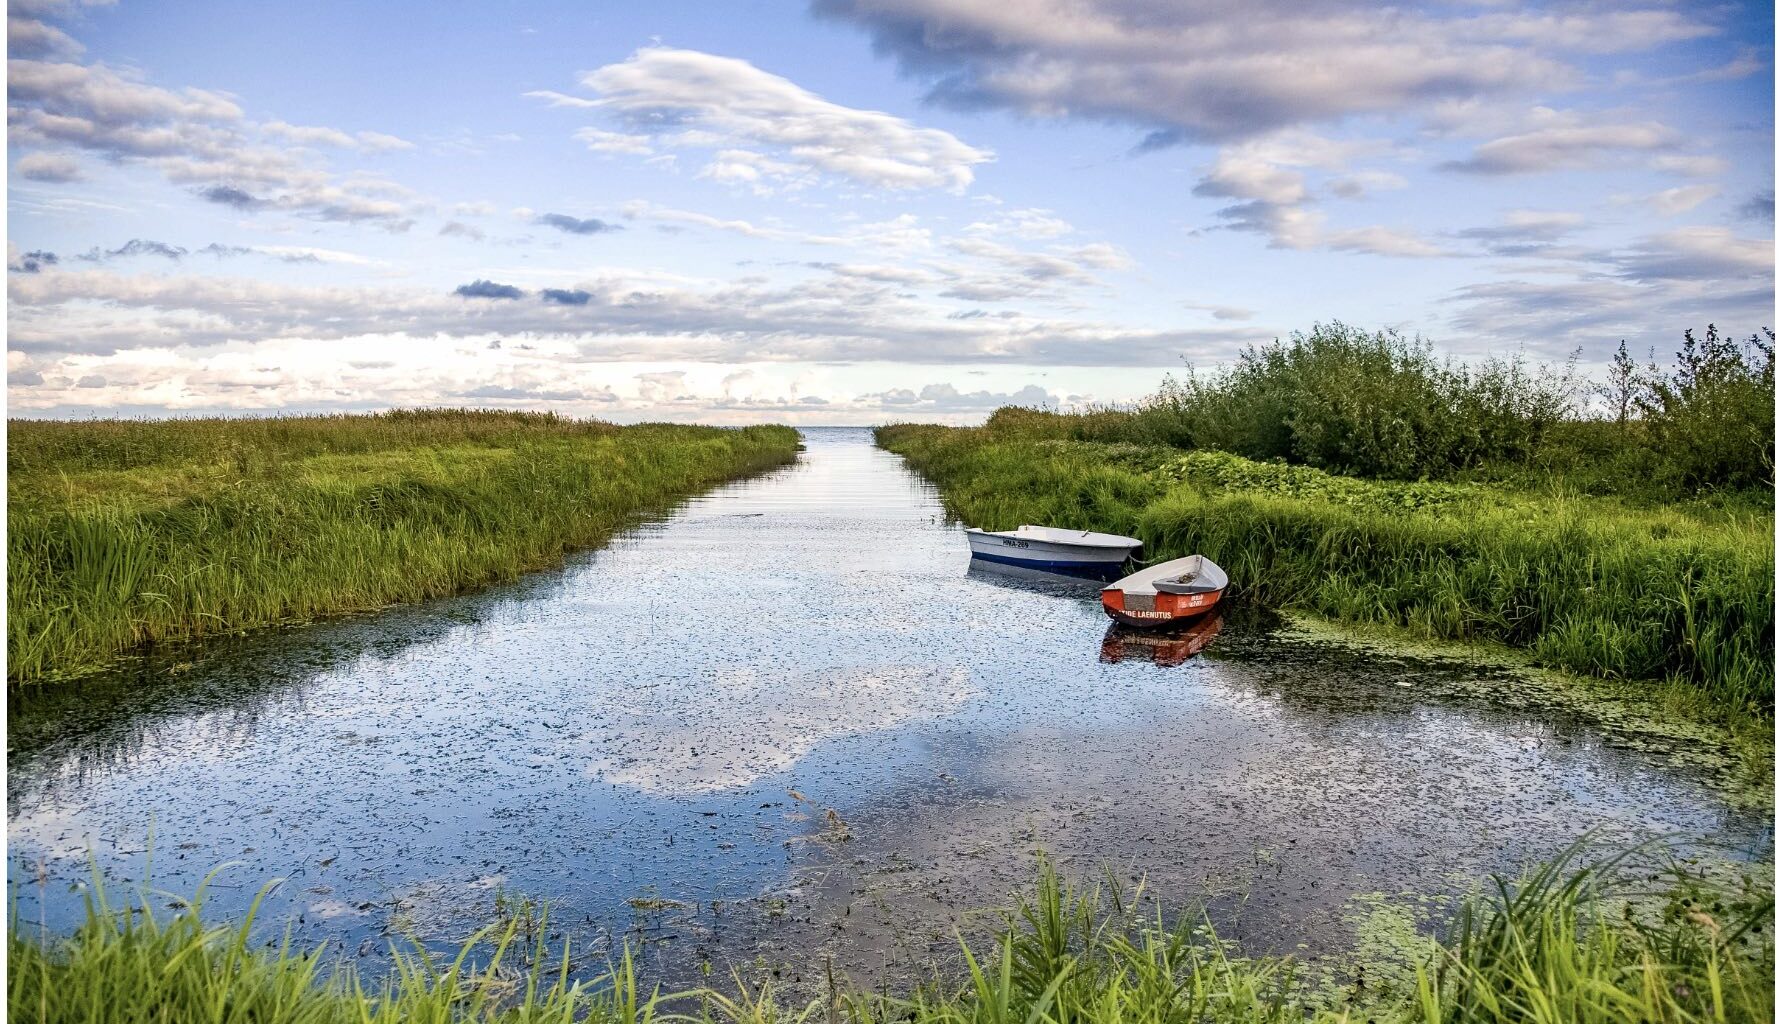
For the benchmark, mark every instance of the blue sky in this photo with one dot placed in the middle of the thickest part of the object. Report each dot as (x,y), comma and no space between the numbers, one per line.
(856,210)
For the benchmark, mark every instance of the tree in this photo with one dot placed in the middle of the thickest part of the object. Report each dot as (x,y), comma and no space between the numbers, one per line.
(1622,385)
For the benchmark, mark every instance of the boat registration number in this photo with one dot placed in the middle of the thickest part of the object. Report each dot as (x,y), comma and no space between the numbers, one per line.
(1008,542)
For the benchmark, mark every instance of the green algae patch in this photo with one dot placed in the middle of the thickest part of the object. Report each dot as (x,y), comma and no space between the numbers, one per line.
(1665,720)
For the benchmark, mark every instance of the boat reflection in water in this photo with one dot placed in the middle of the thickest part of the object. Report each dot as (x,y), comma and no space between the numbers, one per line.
(1166,647)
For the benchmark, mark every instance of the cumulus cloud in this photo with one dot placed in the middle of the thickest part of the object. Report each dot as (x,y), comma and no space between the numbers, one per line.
(1217,72)
(229,195)
(29,262)
(763,127)
(1267,178)
(566,296)
(481,289)
(576,225)
(193,137)
(28,37)
(56,168)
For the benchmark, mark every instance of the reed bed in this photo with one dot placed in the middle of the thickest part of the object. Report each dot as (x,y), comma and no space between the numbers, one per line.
(124,534)
(1593,585)
(1628,938)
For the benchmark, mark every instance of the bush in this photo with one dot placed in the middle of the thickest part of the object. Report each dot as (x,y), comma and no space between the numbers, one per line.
(1711,419)
(1382,405)
(1375,404)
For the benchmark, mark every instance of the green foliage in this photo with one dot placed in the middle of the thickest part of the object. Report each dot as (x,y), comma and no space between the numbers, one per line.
(128,964)
(1591,585)
(124,533)
(1631,938)
(1381,405)
(1375,404)
(1712,416)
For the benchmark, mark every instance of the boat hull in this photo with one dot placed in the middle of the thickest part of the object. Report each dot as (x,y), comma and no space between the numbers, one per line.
(1091,562)
(1147,612)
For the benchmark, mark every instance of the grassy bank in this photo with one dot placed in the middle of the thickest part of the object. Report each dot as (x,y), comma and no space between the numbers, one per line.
(1595,585)
(126,533)
(1633,940)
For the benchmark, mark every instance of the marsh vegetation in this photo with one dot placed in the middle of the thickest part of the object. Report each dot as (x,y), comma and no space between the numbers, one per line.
(127,533)
(1635,937)
(1354,475)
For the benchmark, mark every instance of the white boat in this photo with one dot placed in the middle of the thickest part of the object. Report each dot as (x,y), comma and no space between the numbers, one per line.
(1047,549)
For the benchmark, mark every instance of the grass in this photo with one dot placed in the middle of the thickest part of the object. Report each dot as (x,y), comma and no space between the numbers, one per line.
(123,534)
(1628,938)
(1681,594)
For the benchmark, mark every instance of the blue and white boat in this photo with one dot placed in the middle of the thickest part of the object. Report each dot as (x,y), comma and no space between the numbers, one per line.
(1047,549)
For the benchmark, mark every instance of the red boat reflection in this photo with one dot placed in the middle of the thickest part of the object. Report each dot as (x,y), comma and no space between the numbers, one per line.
(1166,647)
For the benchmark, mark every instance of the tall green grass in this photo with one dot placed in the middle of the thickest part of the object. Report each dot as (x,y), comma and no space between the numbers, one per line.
(1624,939)
(126,533)
(1591,585)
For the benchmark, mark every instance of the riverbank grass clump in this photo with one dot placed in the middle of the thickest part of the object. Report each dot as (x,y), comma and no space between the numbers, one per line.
(1616,940)
(1598,585)
(129,533)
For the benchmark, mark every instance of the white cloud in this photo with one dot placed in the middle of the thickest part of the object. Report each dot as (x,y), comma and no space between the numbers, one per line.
(835,317)
(945,398)
(615,142)
(1682,198)
(193,137)
(1030,224)
(1564,140)
(26,37)
(1691,165)
(51,167)
(1216,72)
(765,126)
(1646,293)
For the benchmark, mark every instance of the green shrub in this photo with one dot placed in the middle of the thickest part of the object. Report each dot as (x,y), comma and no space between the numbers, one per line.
(1711,418)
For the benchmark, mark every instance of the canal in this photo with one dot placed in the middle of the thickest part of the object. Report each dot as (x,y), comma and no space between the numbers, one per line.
(787,724)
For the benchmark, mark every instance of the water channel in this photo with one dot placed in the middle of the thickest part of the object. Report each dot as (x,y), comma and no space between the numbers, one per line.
(788,722)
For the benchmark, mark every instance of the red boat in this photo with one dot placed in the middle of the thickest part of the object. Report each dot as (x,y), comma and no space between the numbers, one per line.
(1176,591)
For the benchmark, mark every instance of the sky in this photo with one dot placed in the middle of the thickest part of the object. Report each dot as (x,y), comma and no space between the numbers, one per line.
(854,211)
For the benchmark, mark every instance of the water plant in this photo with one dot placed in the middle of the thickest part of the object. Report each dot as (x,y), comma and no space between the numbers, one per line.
(1628,937)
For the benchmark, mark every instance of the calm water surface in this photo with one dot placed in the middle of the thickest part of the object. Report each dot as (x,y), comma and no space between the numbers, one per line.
(790,713)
